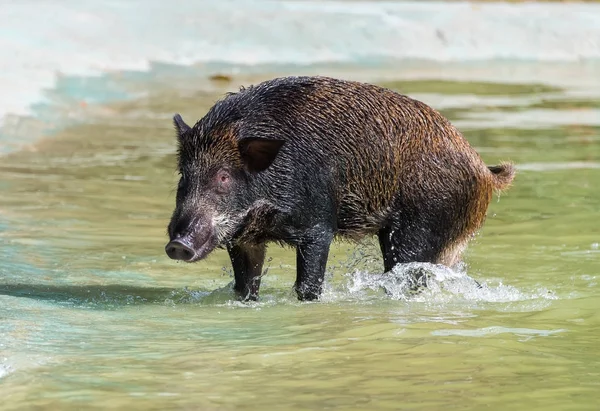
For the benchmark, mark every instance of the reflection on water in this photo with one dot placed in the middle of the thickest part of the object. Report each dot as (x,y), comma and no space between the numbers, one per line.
(92,311)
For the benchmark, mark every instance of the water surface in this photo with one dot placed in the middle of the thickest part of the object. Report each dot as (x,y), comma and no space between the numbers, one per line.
(92,312)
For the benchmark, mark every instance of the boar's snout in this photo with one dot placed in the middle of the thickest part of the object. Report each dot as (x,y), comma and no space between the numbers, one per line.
(192,239)
(180,249)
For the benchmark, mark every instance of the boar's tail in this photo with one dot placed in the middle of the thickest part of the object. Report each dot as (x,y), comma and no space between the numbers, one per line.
(502,175)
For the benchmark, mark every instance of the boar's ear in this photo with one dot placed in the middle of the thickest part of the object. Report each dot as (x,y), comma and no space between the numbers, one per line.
(258,153)
(180,125)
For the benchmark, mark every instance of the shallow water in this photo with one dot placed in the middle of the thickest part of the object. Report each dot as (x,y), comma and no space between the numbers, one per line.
(93,313)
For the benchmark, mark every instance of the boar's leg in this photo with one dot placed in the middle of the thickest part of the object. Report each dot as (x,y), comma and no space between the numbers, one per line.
(411,241)
(311,260)
(247,260)
(406,244)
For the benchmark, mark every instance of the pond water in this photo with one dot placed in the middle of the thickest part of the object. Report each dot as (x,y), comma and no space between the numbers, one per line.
(92,312)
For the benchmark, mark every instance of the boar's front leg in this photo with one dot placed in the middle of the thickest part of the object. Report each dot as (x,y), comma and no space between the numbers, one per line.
(247,260)
(311,260)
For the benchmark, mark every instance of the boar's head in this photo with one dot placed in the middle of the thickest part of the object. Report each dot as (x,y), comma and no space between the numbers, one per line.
(216,187)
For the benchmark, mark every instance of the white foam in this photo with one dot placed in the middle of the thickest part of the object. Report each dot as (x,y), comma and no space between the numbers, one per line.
(39,39)
(444,286)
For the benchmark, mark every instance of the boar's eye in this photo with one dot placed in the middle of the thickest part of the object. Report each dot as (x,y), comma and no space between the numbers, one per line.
(222,181)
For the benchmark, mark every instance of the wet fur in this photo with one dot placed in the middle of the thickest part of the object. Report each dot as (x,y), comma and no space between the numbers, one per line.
(358,160)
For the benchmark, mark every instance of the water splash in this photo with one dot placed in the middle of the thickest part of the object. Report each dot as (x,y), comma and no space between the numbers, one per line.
(5,369)
(430,283)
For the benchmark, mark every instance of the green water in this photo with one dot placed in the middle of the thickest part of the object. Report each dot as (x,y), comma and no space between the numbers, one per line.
(94,314)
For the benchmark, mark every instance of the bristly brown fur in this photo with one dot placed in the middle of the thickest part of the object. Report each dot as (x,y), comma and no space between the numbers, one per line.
(386,152)
(355,160)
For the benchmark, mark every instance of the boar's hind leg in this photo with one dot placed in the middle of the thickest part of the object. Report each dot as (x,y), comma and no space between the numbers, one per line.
(311,261)
(247,261)
(406,244)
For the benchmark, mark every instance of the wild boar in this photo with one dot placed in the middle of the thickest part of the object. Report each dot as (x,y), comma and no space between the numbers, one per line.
(301,160)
